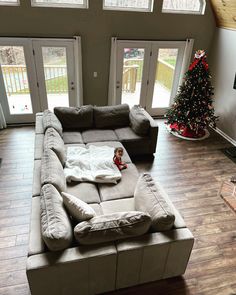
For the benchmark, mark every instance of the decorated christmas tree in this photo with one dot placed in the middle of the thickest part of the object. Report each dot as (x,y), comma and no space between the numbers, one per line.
(192,111)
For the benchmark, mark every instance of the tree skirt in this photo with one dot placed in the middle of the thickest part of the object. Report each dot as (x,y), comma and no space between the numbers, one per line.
(175,133)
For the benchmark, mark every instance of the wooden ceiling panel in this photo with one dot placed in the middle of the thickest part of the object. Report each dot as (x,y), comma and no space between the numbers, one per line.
(225,12)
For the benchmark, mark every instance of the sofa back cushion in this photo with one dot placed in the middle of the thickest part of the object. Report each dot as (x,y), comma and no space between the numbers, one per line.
(112,227)
(78,118)
(53,141)
(138,121)
(111,116)
(52,171)
(55,223)
(50,120)
(148,197)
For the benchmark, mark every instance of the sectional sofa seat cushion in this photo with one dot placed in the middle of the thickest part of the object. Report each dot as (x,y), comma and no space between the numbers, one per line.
(55,223)
(84,191)
(52,171)
(50,120)
(75,118)
(72,137)
(53,141)
(111,116)
(138,121)
(126,134)
(78,209)
(112,227)
(119,205)
(98,135)
(148,198)
(123,189)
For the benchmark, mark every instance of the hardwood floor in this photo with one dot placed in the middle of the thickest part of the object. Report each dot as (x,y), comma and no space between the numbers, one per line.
(190,172)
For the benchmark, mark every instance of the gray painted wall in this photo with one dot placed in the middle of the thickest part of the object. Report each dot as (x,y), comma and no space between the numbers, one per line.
(223,68)
(96,27)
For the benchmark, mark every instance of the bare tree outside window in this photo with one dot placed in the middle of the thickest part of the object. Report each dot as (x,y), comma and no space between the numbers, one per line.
(182,5)
(135,4)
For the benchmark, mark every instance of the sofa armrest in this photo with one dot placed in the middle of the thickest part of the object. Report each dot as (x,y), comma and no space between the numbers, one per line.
(153,133)
(81,270)
(153,257)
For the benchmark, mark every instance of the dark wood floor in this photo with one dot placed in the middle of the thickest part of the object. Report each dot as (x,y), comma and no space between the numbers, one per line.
(190,172)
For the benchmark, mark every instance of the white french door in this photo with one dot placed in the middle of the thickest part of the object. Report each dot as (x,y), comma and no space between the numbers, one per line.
(148,73)
(55,68)
(18,92)
(36,74)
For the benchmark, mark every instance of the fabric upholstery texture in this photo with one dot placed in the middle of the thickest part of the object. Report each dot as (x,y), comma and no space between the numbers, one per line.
(36,188)
(39,129)
(111,116)
(127,134)
(123,189)
(78,209)
(50,120)
(112,227)
(98,135)
(52,171)
(53,141)
(36,243)
(38,146)
(138,121)
(84,191)
(56,227)
(115,206)
(75,118)
(148,198)
(72,137)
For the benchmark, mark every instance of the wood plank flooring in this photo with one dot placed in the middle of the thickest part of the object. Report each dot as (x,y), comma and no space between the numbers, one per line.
(190,172)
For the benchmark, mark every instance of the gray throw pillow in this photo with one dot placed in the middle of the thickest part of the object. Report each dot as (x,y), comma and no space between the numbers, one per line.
(52,171)
(53,141)
(111,116)
(77,118)
(112,227)
(55,223)
(149,197)
(50,120)
(138,121)
(77,208)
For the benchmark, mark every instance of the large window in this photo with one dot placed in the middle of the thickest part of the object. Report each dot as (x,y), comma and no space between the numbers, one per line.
(130,5)
(184,6)
(10,2)
(61,3)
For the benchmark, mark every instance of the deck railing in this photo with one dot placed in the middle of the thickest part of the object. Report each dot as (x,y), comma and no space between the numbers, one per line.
(16,79)
(132,74)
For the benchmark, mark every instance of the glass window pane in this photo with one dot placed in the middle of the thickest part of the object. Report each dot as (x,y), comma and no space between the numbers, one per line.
(166,64)
(145,5)
(56,78)
(182,5)
(9,2)
(12,60)
(61,3)
(132,75)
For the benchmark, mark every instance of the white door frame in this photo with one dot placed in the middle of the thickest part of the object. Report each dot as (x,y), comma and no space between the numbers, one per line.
(31,75)
(180,45)
(38,96)
(149,70)
(38,57)
(121,45)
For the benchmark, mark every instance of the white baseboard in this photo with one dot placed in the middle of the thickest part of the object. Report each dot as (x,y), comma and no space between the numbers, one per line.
(227,137)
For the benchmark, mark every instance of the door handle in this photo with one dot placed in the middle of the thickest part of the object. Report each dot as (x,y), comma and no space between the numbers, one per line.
(72,88)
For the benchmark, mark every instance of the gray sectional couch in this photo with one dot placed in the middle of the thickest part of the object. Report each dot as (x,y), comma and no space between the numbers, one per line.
(100,268)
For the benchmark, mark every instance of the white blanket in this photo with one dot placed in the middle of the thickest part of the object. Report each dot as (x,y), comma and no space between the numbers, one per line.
(94,164)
